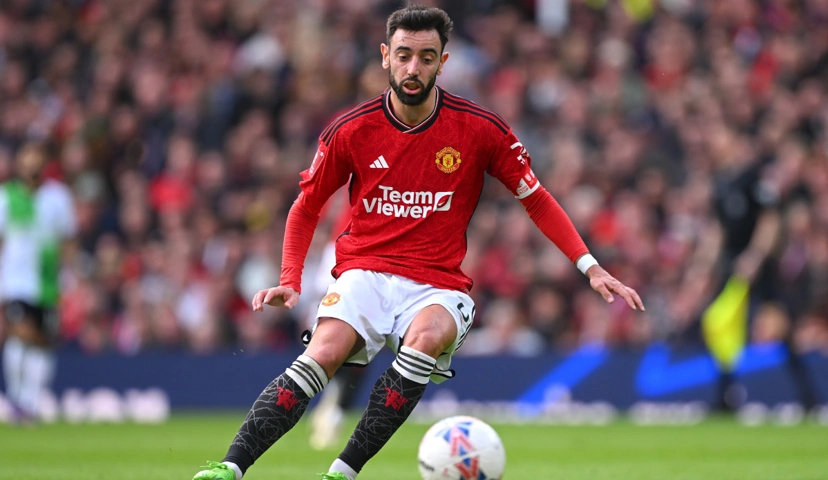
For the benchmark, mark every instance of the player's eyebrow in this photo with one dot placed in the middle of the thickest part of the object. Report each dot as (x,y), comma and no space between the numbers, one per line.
(409,49)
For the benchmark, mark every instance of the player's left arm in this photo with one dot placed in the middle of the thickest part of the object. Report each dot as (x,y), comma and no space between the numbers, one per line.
(553,221)
(512,165)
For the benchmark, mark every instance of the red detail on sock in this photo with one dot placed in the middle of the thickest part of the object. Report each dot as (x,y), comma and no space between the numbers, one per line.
(286,398)
(394,399)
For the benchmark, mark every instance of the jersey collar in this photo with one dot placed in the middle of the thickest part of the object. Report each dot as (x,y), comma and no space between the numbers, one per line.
(420,127)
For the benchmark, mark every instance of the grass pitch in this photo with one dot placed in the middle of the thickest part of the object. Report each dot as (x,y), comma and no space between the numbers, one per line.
(718,449)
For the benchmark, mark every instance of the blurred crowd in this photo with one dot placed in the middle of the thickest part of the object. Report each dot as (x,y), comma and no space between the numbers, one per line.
(182,126)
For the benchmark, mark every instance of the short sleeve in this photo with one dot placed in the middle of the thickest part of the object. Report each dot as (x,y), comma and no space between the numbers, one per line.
(330,169)
(60,213)
(68,221)
(511,164)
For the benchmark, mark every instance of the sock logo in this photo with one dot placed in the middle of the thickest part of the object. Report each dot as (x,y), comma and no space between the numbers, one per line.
(394,399)
(285,398)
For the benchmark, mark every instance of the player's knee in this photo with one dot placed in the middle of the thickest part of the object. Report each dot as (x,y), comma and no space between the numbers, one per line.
(332,343)
(329,361)
(432,331)
(429,342)
(330,354)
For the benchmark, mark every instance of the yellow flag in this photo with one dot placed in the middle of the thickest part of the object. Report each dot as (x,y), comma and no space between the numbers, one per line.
(638,10)
(724,323)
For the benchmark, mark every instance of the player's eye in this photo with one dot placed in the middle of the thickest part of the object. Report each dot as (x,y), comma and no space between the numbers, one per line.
(403,58)
(428,60)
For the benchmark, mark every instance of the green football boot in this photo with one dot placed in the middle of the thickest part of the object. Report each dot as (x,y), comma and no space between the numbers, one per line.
(333,476)
(215,471)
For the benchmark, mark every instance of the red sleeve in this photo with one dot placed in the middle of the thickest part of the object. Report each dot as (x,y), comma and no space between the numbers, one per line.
(301,222)
(330,169)
(512,165)
(551,219)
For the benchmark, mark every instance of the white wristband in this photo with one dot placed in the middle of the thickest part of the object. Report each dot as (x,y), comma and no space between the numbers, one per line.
(584,262)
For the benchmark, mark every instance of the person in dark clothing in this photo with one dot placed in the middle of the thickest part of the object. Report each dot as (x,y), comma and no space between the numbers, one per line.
(750,193)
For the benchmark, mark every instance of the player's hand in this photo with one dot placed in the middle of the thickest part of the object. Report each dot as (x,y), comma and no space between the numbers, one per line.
(605,284)
(275,297)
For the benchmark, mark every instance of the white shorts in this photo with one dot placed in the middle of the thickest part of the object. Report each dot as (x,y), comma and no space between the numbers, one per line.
(381,307)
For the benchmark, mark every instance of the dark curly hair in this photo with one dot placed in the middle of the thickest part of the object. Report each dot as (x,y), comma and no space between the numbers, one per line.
(417,18)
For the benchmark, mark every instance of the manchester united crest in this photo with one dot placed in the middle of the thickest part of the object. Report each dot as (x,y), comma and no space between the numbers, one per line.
(286,398)
(394,399)
(448,160)
(330,299)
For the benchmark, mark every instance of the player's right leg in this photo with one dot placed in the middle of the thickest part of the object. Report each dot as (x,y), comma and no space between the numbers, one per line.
(282,403)
(14,351)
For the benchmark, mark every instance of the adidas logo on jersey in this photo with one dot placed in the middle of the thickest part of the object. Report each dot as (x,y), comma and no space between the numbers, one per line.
(394,203)
(379,163)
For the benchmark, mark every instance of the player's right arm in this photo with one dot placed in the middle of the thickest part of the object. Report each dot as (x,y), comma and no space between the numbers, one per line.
(330,169)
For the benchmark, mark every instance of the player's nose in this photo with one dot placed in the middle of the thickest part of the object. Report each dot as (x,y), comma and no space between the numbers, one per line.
(414,67)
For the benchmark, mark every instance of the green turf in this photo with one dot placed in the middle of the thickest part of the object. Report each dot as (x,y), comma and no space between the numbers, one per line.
(715,450)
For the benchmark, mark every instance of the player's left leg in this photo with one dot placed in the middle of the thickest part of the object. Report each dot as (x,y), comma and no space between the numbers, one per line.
(398,390)
(32,329)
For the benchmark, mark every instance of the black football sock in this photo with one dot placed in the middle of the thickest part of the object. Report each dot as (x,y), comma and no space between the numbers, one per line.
(277,410)
(393,398)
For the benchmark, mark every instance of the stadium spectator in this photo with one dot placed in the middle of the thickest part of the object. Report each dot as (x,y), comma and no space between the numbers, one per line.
(174,121)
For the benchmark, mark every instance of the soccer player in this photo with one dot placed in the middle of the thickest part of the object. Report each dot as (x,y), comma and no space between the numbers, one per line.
(37,222)
(416,158)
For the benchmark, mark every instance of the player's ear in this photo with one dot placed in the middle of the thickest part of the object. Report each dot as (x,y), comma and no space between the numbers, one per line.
(443,59)
(386,61)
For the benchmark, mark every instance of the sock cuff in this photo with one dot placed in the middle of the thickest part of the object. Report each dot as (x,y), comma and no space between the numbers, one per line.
(313,365)
(414,365)
(308,374)
(236,469)
(341,466)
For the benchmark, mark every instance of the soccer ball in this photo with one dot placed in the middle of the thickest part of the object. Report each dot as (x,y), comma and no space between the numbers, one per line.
(461,448)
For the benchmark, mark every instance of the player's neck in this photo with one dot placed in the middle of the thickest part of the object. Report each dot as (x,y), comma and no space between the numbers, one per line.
(412,115)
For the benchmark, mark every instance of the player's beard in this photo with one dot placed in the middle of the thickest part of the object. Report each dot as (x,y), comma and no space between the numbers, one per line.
(408,99)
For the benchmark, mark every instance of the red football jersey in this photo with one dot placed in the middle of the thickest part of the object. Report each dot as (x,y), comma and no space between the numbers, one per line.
(413,190)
